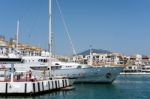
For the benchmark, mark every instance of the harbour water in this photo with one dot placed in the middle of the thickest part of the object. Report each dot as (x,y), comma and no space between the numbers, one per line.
(124,87)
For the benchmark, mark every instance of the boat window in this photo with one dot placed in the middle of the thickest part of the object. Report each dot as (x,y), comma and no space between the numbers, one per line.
(56,67)
(40,60)
(2,75)
(22,61)
(56,64)
(39,68)
(130,67)
(44,60)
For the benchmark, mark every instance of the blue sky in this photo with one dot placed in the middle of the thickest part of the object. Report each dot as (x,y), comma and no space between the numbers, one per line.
(114,25)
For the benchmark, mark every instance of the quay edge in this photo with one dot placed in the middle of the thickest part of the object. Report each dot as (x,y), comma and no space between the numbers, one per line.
(32,88)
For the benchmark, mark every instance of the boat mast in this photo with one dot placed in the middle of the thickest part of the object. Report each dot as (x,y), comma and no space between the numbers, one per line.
(50,38)
(17,35)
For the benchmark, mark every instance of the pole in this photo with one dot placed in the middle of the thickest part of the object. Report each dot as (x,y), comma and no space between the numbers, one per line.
(91,56)
(17,34)
(12,73)
(50,38)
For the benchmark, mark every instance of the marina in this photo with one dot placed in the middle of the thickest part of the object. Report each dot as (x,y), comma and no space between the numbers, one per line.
(41,65)
(36,61)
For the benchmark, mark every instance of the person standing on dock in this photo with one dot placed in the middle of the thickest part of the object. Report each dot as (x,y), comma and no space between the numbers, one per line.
(30,75)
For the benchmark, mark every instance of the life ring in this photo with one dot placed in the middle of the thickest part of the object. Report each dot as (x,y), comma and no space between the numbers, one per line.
(108,75)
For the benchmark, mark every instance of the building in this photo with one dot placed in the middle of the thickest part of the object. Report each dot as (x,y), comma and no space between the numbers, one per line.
(7,47)
(100,58)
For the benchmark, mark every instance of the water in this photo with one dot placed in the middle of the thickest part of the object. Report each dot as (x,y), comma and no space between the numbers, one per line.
(125,87)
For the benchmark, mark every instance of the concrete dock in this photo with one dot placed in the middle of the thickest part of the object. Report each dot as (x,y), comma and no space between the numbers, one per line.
(31,88)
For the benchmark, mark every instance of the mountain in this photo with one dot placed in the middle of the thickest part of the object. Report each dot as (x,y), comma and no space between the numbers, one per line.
(87,52)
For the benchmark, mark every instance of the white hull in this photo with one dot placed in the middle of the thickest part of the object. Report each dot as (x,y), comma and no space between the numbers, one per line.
(91,75)
(81,73)
(103,74)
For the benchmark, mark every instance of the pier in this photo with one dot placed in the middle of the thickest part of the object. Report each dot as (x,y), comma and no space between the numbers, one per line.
(31,88)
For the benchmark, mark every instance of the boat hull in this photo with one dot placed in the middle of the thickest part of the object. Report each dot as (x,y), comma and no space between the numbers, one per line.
(101,74)
(90,75)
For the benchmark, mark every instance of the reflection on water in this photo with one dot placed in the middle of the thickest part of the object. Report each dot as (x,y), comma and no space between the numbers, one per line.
(56,95)
(124,87)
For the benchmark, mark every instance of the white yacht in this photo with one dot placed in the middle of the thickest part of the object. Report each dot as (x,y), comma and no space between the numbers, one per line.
(146,69)
(81,72)
(133,69)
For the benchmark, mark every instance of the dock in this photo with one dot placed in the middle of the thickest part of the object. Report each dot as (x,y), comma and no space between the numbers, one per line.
(31,88)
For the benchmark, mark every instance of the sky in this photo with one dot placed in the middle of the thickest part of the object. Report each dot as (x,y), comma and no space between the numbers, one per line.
(116,25)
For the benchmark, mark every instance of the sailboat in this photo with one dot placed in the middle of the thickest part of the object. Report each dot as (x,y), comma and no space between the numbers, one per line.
(80,72)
